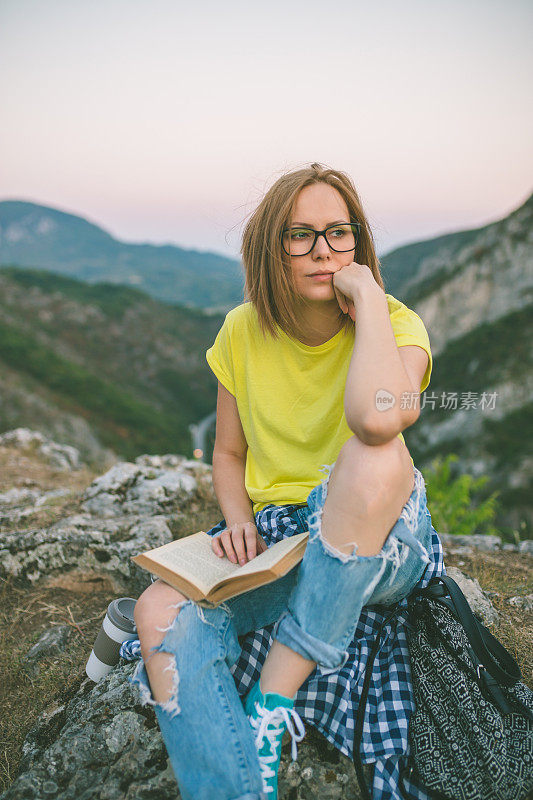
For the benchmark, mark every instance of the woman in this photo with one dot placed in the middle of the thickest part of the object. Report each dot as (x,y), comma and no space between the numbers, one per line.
(320,370)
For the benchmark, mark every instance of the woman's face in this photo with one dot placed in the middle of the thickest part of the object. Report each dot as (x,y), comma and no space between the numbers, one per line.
(318,206)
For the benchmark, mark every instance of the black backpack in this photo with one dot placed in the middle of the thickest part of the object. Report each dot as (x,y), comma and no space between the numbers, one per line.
(471,735)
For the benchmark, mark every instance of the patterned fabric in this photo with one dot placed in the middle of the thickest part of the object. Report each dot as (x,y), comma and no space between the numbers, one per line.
(465,747)
(130,650)
(329,702)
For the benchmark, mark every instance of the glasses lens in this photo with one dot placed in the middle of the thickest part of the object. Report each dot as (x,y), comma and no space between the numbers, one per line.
(299,241)
(342,237)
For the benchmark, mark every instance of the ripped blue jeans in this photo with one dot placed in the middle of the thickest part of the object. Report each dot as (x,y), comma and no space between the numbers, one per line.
(316,607)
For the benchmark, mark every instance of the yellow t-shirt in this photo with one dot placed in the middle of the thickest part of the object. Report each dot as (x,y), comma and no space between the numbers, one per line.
(290,398)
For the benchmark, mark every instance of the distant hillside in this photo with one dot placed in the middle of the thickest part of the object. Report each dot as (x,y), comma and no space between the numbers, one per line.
(418,263)
(105,366)
(33,235)
(476,301)
(102,366)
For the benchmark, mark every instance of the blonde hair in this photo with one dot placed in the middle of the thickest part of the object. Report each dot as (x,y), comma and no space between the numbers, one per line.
(269,283)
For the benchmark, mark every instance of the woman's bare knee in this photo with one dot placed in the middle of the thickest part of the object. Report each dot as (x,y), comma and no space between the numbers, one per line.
(155,611)
(368,488)
(156,607)
(367,477)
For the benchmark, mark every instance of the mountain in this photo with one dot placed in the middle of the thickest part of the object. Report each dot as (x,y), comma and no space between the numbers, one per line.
(476,299)
(104,368)
(33,235)
(417,264)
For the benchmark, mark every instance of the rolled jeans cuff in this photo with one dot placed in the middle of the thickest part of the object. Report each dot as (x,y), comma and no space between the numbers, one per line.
(328,658)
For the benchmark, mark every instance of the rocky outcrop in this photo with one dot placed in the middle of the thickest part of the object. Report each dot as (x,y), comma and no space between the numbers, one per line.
(96,741)
(458,544)
(123,512)
(104,724)
(99,742)
(61,456)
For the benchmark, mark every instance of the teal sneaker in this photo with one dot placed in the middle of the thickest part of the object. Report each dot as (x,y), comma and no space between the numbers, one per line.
(270,715)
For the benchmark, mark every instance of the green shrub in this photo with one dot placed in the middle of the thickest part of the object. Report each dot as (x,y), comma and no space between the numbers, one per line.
(452,508)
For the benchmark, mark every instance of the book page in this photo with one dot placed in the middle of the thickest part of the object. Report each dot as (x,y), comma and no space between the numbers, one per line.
(271,556)
(194,558)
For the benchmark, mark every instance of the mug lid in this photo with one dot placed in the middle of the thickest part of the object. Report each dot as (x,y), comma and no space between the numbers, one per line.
(120,612)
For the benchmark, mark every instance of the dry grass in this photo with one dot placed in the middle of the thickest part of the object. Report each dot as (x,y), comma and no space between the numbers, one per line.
(508,575)
(25,613)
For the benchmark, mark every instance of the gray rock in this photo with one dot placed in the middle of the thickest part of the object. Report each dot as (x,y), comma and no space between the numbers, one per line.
(129,488)
(525,602)
(475,541)
(99,742)
(459,544)
(173,460)
(17,504)
(61,456)
(476,597)
(16,497)
(52,641)
(125,511)
(86,544)
(457,551)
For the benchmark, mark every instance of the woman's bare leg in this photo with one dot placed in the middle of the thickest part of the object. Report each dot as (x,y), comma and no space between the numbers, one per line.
(367,490)
(156,608)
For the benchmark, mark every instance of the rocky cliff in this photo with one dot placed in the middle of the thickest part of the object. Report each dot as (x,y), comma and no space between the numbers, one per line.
(476,300)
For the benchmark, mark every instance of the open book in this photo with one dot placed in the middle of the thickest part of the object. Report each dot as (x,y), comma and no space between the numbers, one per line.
(191,566)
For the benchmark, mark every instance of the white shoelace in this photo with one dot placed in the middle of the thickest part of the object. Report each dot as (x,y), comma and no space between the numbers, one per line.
(274,718)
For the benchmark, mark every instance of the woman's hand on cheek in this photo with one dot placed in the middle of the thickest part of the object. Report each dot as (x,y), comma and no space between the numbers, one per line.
(345,303)
(346,283)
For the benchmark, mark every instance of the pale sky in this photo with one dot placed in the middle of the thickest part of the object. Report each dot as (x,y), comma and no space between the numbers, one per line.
(165,121)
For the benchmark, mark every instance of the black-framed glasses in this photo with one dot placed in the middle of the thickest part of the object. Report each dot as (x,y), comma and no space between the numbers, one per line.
(299,241)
